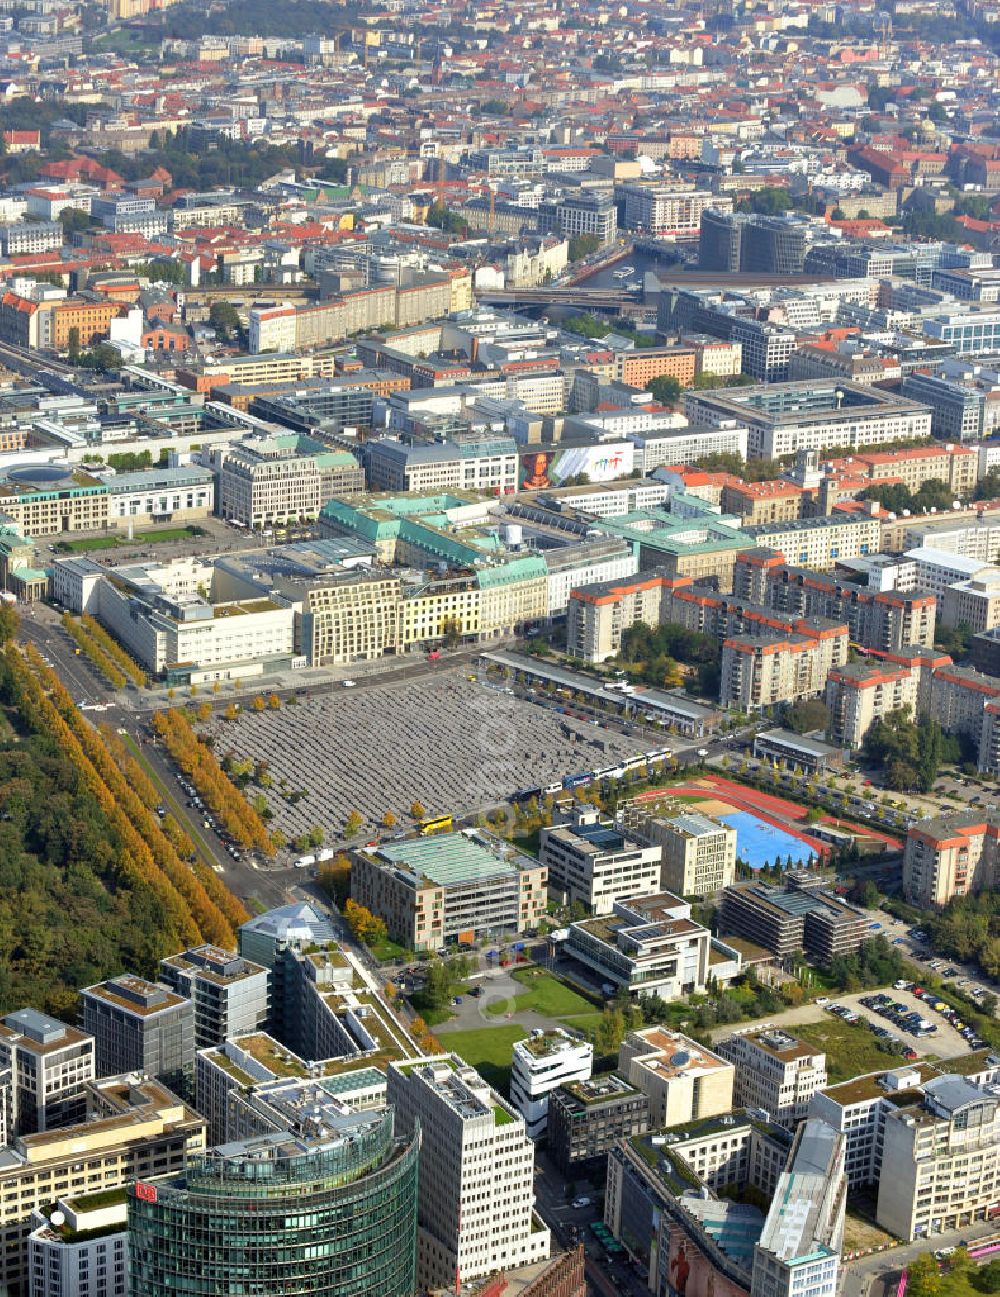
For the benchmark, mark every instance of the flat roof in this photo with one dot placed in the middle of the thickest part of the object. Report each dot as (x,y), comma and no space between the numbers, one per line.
(448,859)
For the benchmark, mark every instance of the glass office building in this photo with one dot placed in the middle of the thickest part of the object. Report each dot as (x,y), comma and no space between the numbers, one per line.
(333,1214)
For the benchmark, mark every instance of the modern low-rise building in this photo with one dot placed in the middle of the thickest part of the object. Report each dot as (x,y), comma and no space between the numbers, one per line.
(476,1195)
(799,916)
(649,944)
(450,887)
(542,1062)
(587,1117)
(775,1073)
(683,1080)
(594,863)
(468,462)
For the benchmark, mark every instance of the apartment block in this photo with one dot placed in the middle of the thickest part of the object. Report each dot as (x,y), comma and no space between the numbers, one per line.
(954,465)
(592,862)
(775,1073)
(759,671)
(586,1118)
(639,367)
(542,1062)
(140,1026)
(974,603)
(859,693)
(476,1190)
(889,620)
(50,1065)
(229,993)
(940,1160)
(820,542)
(954,855)
(136,1129)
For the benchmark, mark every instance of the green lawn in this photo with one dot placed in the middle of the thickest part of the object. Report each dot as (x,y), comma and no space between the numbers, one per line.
(126,41)
(488,1050)
(585,1022)
(851,1049)
(88,543)
(545,995)
(386,951)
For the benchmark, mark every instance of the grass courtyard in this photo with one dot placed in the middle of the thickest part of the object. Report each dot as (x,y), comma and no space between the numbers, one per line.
(488,1050)
(545,995)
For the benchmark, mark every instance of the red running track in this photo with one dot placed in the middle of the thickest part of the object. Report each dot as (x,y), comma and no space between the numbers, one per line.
(778,812)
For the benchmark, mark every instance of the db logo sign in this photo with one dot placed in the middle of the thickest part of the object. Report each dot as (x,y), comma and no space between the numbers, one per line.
(145,1192)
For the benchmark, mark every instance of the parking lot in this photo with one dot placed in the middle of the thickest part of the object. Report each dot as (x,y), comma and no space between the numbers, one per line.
(447,741)
(945,1042)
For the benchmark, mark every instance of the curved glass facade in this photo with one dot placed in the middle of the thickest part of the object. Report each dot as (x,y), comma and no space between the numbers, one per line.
(333,1216)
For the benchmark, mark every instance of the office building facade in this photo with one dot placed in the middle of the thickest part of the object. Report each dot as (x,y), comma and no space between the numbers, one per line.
(229,993)
(476,1201)
(50,1065)
(541,1062)
(586,1118)
(333,1213)
(774,1072)
(140,1026)
(595,864)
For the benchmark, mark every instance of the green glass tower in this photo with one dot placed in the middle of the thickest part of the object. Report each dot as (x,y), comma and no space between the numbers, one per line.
(330,1214)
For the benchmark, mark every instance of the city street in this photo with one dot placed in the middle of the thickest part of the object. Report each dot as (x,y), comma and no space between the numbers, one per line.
(877,1275)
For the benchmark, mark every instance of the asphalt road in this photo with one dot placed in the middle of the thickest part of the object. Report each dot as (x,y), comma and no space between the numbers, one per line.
(876,1275)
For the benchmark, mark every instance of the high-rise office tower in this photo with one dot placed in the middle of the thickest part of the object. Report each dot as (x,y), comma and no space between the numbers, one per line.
(332,1213)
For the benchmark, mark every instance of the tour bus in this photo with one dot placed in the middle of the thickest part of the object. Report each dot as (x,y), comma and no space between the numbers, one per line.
(435,824)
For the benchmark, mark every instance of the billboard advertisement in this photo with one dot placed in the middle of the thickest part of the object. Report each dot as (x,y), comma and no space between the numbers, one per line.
(691,1274)
(541,470)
